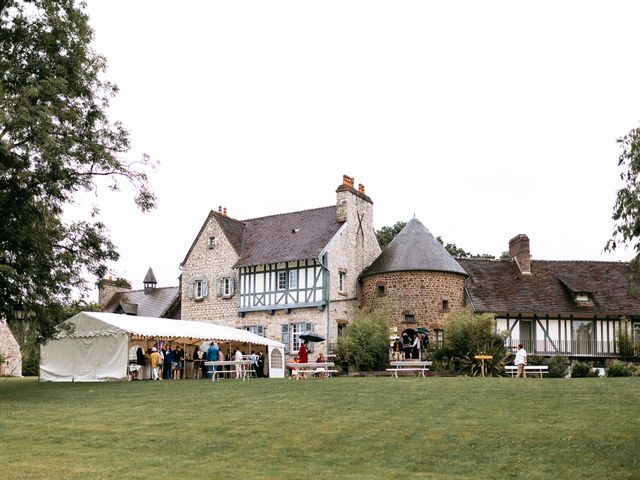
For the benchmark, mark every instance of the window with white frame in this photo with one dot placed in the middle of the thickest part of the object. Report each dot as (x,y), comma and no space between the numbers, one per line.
(341,281)
(293,279)
(297,329)
(282,280)
(291,336)
(227,286)
(198,289)
(438,336)
(257,329)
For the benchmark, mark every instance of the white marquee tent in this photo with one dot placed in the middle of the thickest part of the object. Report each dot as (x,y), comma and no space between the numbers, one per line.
(94,347)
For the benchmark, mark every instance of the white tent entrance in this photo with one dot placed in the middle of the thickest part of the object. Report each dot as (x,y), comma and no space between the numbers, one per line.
(94,347)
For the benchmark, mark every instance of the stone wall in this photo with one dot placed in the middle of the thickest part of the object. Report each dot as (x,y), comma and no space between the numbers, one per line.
(352,250)
(210,263)
(10,350)
(108,288)
(417,293)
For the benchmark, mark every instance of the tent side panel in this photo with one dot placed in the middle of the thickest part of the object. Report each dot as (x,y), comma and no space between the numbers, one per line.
(276,362)
(85,359)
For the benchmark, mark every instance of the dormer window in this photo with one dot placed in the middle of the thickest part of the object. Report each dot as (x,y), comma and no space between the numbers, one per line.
(582,297)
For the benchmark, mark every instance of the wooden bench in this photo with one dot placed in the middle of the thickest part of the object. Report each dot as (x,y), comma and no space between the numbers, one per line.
(533,369)
(409,366)
(309,369)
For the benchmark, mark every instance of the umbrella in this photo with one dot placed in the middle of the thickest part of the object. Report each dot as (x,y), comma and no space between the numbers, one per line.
(422,330)
(312,337)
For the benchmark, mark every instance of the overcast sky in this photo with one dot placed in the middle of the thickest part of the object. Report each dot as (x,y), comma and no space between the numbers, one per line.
(484,119)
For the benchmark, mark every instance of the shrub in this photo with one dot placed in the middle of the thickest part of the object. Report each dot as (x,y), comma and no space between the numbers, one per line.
(580,370)
(365,343)
(535,360)
(558,366)
(619,369)
(467,335)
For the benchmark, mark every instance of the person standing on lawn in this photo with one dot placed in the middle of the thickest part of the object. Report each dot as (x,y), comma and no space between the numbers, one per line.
(415,347)
(213,355)
(154,360)
(303,353)
(260,370)
(521,361)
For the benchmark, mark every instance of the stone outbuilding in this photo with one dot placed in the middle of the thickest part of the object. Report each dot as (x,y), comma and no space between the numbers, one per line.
(414,282)
(11,366)
(116,296)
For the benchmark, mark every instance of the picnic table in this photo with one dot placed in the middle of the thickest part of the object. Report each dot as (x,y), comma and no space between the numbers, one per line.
(305,370)
(409,366)
(246,367)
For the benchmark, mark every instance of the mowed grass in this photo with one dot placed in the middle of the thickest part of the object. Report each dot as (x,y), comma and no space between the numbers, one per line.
(342,428)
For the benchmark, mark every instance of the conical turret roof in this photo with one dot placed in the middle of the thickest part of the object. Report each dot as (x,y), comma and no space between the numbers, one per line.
(150,277)
(414,248)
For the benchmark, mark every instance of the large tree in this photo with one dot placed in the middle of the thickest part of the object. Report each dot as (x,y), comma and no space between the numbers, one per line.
(626,211)
(55,140)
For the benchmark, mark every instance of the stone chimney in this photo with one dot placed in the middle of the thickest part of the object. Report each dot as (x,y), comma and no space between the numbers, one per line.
(348,197)
(108,288)
(519,251)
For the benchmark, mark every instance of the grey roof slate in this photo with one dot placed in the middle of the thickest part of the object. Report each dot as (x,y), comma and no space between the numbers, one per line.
(288,236)
(497,286)
(414,248)
(150,277)
(153,304)
(232,228)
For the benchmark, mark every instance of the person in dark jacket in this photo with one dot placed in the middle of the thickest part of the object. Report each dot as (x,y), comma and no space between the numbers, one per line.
(140,357)
(168,359)
(260,369)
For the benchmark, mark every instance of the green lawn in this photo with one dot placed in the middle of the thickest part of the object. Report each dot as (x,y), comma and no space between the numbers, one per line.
(382,428)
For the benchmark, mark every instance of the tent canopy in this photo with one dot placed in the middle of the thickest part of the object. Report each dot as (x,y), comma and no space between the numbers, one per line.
(94,347)
(93,324)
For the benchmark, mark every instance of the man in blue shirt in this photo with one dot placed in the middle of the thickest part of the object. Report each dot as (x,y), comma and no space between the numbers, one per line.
(213,355)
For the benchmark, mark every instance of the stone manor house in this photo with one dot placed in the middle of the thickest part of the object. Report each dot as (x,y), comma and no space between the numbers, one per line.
(285,274)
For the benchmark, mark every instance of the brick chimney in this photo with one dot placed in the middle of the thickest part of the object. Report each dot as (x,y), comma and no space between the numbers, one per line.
(519,251)
(361,188)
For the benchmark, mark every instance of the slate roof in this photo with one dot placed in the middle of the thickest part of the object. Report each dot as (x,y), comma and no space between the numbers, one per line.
(233,230)
(498,286)
(414,248)
(288,236)
(153,304)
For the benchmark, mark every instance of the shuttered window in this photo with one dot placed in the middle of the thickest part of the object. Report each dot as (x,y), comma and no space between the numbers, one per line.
(228,286)
(198,289)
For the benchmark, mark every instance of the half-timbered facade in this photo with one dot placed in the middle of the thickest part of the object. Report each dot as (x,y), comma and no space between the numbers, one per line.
(571,308)
(285,274)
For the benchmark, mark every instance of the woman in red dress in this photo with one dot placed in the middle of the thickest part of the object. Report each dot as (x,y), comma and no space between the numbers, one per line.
(303,353)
